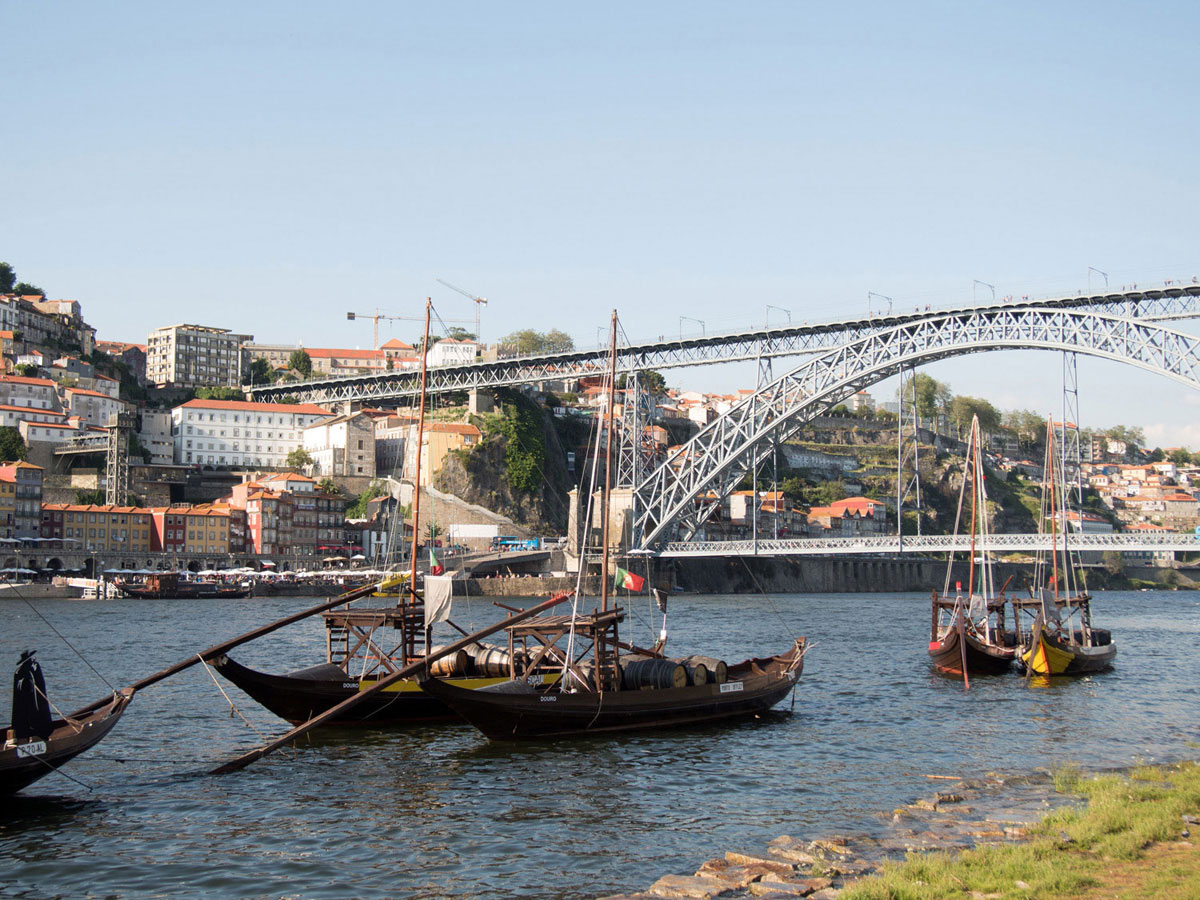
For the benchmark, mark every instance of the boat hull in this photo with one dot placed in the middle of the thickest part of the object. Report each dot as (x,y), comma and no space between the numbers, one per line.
(1083,660)
(516,712)
(1046,657)
(23,764)
(299,696)
(185,592)
(982,658)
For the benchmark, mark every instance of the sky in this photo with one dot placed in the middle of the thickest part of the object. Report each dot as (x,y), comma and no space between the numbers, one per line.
(696,166)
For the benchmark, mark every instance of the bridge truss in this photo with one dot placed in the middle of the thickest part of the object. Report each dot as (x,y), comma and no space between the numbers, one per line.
(1176,302)
(677,498)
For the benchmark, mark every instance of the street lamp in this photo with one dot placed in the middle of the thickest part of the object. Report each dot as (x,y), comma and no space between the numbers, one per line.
(1103,275)
(690,319)
(990,287)
(871,294)
(767,317)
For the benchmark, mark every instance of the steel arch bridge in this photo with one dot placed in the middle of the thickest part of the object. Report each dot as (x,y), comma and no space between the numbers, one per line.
(681,494)
(1169,302)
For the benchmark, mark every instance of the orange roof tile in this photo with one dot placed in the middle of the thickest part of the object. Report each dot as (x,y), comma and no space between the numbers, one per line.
(247,406)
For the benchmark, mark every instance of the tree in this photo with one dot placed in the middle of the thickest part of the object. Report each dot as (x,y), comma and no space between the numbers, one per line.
(1181,457)
(932,396)
(432,530)
(358,509)
(25,289)
(327,486)
(8,277)
(28,370)
(1157,455)
(963,409)
(88,498)
(527,341)
(258,372)
(458,333)
(12,446)
(219,393)
(299,458)
(301,362)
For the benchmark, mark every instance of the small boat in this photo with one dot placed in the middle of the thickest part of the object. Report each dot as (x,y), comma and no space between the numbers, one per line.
(169,586)
(37,744)
(968,634)
(1061,639)
(567,676)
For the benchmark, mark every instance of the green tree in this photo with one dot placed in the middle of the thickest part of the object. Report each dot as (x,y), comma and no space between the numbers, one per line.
(1114,562)
(458,333)
(358,509)
(963,409)
(327,486)
(258,372)
(8,278)
(1157,454)
(527,341)
(25,289)
(12,446)
(932,396)
(301,362)
(1181,457)
(299,458)
(432,530)
(85,498)
(28,370)
(219,393)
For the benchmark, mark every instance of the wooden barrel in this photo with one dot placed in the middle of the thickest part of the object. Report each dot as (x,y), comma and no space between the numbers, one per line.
(717,670)
(491,661)
(453,664)
(645,674)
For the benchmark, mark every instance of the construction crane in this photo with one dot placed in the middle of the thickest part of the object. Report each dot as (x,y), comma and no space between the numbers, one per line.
(377,315)
(478,301)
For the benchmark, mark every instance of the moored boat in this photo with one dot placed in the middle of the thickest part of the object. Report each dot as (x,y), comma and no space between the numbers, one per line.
(169,586)
(35,744)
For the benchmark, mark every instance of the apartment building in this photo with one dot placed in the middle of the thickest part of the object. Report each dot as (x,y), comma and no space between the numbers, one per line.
(437,440)
(27,513)
(46,322)
(123,529)
(240,433)
(194,356)
(342,445)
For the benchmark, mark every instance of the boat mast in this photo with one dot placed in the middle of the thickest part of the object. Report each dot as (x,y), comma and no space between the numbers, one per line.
(608,442)
(972,454)
(410,638)
(1048,472)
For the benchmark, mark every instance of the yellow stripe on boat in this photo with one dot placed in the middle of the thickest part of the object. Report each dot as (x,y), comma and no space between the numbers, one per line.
(1044,659)
(390,584)
(408,685)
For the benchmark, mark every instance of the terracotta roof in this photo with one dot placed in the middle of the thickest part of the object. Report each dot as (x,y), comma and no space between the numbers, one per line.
(452,428)
(246,406)
(397,344)
(20,379)
(88,393)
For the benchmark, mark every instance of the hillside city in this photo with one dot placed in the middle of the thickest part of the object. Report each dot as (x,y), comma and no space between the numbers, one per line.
(215,475)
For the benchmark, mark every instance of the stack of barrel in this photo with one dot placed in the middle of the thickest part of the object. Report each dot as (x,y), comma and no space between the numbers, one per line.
(641,673)
(479,660)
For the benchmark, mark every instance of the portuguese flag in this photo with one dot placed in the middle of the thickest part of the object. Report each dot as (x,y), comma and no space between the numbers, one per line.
(628,580)
(435,567)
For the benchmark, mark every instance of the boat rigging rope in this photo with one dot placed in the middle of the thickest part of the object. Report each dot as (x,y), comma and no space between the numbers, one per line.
(63,639)
(232,706)
(770,600)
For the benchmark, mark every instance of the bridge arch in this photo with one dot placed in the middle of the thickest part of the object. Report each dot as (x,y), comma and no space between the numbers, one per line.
(714,460)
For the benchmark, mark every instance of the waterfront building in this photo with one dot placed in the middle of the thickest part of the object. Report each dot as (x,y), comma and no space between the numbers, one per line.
(27,512)
(194,356)
(240,433)
(342,445)
(124,529)
(8,504)
(851,517)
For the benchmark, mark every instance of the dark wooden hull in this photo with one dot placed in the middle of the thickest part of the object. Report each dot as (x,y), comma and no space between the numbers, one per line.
(66,741)
(299,696)
(514,711)
(1086,659)
(982,658)
(185,592)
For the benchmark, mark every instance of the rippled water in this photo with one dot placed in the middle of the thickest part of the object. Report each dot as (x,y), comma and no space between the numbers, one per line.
(438,811)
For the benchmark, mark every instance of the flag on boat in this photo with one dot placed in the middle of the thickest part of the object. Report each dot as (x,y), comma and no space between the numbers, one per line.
(435,567)
(660,597)
(628,580)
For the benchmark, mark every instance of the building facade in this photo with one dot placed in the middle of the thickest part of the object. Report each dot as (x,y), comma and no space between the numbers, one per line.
(239,433)
(194,356)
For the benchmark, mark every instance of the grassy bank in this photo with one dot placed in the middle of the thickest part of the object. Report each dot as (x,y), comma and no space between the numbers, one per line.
(1125,842)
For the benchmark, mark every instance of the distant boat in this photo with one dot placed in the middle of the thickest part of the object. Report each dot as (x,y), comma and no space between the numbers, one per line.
(169,586)
(968,634)
(36,744)
(1061,639)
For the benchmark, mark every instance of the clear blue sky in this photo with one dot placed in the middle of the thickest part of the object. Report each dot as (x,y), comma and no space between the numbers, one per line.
(267,167)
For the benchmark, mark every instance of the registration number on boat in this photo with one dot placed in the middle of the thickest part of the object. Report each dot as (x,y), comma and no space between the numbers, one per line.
(548,699)
(36,748)
(731,686)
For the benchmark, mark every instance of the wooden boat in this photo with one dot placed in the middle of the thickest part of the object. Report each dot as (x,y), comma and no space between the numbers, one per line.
(169,586)
(960,648)
(567,677)
(968,634)
(1061,639)
(35,744)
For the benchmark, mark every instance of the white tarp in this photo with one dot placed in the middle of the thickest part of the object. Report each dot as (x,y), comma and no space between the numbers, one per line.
(438,591)
(458,532)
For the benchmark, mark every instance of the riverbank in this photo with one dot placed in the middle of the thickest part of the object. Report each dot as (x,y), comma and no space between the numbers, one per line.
(1116,834)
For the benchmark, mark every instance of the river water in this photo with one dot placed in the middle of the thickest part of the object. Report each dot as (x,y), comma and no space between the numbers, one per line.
(440,812)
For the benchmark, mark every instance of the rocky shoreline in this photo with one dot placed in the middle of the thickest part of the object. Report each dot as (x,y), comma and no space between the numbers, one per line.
(964,813)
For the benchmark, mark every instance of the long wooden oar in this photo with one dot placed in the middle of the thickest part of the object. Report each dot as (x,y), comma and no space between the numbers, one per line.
(244,760)
(218,649)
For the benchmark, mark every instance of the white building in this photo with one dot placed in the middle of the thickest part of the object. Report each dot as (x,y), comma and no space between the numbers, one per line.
(194,356)
(238,433)
(449,352)
(35,393)
(93,407)
(155,436)
(47,432)
(342,445)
